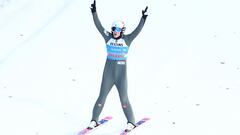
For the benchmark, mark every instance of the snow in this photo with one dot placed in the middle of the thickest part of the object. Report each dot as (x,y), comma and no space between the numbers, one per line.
(183,68)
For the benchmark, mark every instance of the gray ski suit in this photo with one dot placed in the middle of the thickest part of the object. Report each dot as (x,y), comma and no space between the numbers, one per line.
(115,70)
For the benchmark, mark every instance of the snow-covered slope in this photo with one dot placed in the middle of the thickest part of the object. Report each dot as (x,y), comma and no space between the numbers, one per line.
(183,68)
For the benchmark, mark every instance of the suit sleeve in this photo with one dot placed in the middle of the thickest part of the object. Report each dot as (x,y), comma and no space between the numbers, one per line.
(136,31)
(99,26)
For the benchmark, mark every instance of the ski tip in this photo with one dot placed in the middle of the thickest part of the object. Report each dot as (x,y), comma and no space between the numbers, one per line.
(146,118)
(108,117)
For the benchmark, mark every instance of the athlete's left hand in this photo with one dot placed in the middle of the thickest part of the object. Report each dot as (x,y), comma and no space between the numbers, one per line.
(93,7)
(145,13)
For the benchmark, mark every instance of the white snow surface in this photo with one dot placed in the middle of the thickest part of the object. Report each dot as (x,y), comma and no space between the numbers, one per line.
(183,68)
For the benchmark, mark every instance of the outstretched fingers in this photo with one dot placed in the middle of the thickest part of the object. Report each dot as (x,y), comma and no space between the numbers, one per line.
(146,9)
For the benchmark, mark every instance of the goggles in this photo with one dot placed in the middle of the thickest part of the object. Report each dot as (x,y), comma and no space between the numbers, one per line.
(116,29)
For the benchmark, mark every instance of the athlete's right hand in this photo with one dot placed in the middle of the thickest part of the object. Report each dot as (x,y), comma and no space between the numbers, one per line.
(145,13)
(93,7)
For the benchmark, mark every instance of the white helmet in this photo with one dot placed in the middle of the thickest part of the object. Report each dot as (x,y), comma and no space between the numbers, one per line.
(118,26)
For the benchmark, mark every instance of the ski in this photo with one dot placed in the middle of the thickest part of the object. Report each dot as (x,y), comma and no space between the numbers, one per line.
(100,122)
(137,125)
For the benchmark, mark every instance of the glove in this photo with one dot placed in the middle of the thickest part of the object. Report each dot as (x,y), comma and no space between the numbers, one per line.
(93,7)
(145,13)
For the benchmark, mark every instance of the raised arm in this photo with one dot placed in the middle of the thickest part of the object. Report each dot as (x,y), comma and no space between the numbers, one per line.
(137,30)
(97,22)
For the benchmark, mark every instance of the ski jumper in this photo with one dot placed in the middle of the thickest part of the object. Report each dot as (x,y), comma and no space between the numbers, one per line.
(115,70)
